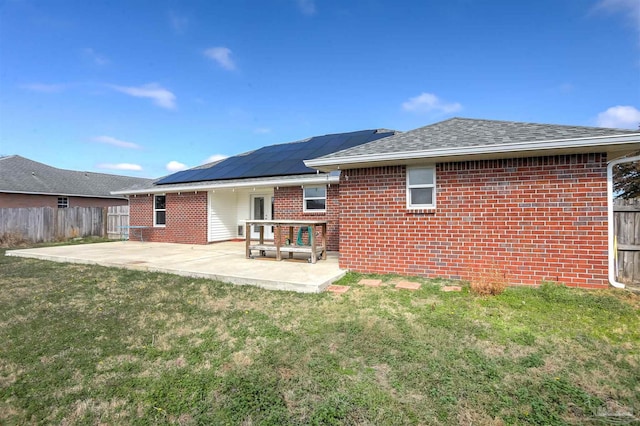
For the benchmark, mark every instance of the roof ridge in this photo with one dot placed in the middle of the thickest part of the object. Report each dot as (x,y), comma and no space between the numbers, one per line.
(48,166)
(534,123)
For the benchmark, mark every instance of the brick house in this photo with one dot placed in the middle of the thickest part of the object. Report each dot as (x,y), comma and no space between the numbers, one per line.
(28,183)
(451,199)
(211,202)
(461,197)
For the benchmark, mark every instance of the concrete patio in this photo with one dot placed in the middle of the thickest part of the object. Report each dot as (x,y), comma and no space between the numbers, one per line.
(220,261)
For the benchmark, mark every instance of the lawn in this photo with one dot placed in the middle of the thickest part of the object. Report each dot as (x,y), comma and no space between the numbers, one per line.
(93,345)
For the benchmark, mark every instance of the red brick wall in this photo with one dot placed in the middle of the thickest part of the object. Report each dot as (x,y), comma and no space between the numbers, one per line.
(9,200)
(186,218)
(288,205)
(534,219)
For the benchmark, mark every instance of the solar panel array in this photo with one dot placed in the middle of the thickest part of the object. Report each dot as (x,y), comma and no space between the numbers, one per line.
(276,160)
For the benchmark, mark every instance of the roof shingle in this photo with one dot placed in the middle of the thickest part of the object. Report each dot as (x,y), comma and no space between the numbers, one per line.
(466,132)
(19,174)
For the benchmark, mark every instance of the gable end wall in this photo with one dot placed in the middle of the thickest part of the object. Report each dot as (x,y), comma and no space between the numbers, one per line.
(533,219)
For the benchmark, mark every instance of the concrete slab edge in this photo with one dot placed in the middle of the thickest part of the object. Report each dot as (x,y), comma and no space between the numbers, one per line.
(266,284)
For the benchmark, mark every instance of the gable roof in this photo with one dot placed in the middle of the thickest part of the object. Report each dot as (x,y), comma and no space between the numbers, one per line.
(21,175)
(464,137)
(276,160)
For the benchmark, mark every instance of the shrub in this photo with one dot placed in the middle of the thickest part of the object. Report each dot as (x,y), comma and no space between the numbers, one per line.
(489,281)
(12,239)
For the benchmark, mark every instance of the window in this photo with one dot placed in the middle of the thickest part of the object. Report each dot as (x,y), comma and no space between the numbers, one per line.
(315,199)
(63,202)
(159,210)
(421,187)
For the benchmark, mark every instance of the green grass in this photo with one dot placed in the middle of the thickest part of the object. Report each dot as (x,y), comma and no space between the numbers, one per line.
(91,345)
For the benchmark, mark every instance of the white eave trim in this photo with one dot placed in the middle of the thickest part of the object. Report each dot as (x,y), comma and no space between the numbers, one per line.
(318,179)
(478,150)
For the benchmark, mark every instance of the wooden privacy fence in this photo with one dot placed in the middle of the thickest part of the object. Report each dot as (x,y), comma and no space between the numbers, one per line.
(40,224)
(626,224)
(117,216)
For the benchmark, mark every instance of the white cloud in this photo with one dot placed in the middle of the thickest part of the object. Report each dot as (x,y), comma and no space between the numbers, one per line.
(307,7)
(176,166)
(178,23)
(428,102)
(262,130)
(120,166)
(115,142)
(222,55)
(630,8)
(94,56)
(159,95)
(214,158)
(44,88)
(621,117)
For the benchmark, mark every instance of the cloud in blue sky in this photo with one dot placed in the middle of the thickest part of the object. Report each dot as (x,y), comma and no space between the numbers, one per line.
(630,8)
(428,102)
(621,117)
(158,94)
(262,130)
(120,166)
(214,158)
(44,88)
(176,166)
(115,142)
(178,22)
(307,7)
(222,56)
(95,57)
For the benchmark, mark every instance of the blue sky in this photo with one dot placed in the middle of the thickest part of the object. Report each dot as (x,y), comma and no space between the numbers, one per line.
(144,88)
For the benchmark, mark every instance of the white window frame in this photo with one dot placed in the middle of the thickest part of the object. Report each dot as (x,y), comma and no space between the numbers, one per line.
(155,210)
(411,206)
(305,198)
(63,202)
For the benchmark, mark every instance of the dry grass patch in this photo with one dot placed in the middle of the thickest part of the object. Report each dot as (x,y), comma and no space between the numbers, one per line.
(92,345)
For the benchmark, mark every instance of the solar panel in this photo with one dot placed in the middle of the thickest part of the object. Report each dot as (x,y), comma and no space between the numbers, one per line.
(275,160)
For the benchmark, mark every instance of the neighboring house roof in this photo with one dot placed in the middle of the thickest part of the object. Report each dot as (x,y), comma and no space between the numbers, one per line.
(276,160)
(452,139)
(21,175)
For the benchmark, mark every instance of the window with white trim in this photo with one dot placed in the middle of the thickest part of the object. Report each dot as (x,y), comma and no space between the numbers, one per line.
(314,199)
(421,187)
(63,202)
(159,210)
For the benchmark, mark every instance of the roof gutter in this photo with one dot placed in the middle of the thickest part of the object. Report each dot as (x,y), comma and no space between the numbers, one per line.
(612,248)
(159,189)
(476,150)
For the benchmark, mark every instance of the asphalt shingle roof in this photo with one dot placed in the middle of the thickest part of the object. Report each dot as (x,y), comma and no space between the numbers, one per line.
(467,132)
(19,174)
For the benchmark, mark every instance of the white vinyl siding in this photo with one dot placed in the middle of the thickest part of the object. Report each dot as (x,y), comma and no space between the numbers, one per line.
(222,216)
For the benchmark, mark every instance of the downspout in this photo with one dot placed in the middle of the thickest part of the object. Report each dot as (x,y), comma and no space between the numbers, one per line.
(612,254)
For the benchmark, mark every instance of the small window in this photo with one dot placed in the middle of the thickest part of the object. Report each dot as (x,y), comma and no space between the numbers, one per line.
(63,202)
(159,210)
(315,199)
(421,187)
